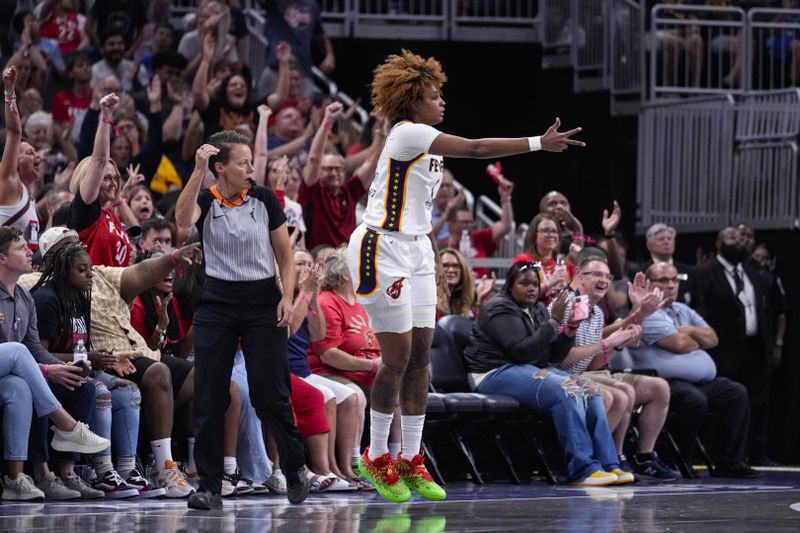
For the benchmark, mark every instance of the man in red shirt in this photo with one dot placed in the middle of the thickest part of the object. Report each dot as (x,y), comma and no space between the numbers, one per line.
(72,103)
(483,242)
(329,201)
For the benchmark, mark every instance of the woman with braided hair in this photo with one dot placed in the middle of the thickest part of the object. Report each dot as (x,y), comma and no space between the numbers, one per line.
(393,257)
(63,308)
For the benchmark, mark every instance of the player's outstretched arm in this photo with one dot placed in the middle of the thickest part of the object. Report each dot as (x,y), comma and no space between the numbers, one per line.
(552,141)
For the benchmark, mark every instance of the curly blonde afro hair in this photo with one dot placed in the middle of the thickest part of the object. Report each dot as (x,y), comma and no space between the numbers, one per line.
(401,81)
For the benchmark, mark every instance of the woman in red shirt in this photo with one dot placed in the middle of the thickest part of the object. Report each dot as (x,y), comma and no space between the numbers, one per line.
(350,352)
(96,185)
(541,244)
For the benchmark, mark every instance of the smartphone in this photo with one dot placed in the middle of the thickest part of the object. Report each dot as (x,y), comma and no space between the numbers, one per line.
(581,307)
(85,370)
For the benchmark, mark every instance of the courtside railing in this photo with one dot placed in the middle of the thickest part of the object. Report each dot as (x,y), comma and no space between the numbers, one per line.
(710,162)
(685,163)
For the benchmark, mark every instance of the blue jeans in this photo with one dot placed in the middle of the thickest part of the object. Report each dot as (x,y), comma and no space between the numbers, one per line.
(16,402)
(16,359)
(251,454)
(117,419)
(580,418)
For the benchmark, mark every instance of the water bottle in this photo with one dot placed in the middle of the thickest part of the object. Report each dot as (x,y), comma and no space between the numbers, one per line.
(79,353)
(561,268)
(465,246)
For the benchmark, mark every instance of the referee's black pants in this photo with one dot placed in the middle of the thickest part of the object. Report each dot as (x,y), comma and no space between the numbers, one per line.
(229,313)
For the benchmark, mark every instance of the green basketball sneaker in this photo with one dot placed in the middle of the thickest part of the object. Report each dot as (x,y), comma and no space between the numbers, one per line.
(416,477)
(381,473)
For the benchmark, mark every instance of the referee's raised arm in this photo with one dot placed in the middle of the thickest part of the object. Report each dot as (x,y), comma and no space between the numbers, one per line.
(187,212)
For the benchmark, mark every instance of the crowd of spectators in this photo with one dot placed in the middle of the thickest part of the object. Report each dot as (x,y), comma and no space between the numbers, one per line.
(105,107)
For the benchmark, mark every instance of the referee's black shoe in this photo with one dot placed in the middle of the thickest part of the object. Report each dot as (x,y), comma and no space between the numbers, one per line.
(297,485)
(205,501)
(739,470)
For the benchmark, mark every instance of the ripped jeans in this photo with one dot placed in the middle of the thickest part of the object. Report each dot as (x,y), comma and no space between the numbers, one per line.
(117,419)
(578,413)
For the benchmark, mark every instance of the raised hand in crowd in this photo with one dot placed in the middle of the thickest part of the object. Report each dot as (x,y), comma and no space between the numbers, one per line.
(209,46)
(134,178)
(559,309)
(281,170)
(485,289)
(154,94)
(10,78)
(310,280)
(505,188)
(555,141)
(283,52)
(163,311)
(264,112)
(332,114)
(645,300)
(610,222)
(108,104)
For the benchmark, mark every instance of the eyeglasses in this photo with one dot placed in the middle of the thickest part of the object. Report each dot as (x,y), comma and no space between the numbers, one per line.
(332,169)
(599,275)
(451,266)
(110,177)
(547,231)
(465,221)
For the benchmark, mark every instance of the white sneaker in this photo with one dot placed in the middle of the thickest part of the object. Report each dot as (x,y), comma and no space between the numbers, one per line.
(79,440)
(74,482)
(276,483)
(241,485)
(171,478)
(227,488)
(21,489)
(54,489)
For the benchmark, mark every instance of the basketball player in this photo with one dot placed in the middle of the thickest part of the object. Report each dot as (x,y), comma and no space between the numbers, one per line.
(393,255)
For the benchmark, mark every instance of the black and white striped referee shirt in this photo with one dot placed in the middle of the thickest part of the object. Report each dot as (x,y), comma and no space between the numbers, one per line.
(235,234)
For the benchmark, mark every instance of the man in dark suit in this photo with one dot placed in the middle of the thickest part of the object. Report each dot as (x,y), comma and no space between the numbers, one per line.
(660,242)
(729,294)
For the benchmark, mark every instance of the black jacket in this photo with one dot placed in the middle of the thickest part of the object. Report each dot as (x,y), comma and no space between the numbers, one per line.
(503,334)
(714,299)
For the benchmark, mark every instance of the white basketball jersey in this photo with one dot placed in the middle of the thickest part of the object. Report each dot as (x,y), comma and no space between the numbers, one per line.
(406,180)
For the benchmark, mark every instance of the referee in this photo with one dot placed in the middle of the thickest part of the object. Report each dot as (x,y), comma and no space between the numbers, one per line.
(244,235)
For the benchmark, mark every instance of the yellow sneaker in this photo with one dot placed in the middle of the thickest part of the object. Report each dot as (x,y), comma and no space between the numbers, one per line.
(623,478)
(598,478)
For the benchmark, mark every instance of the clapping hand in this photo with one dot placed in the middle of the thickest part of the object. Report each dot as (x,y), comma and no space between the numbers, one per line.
(610,222)
(485,288)
(559,307)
